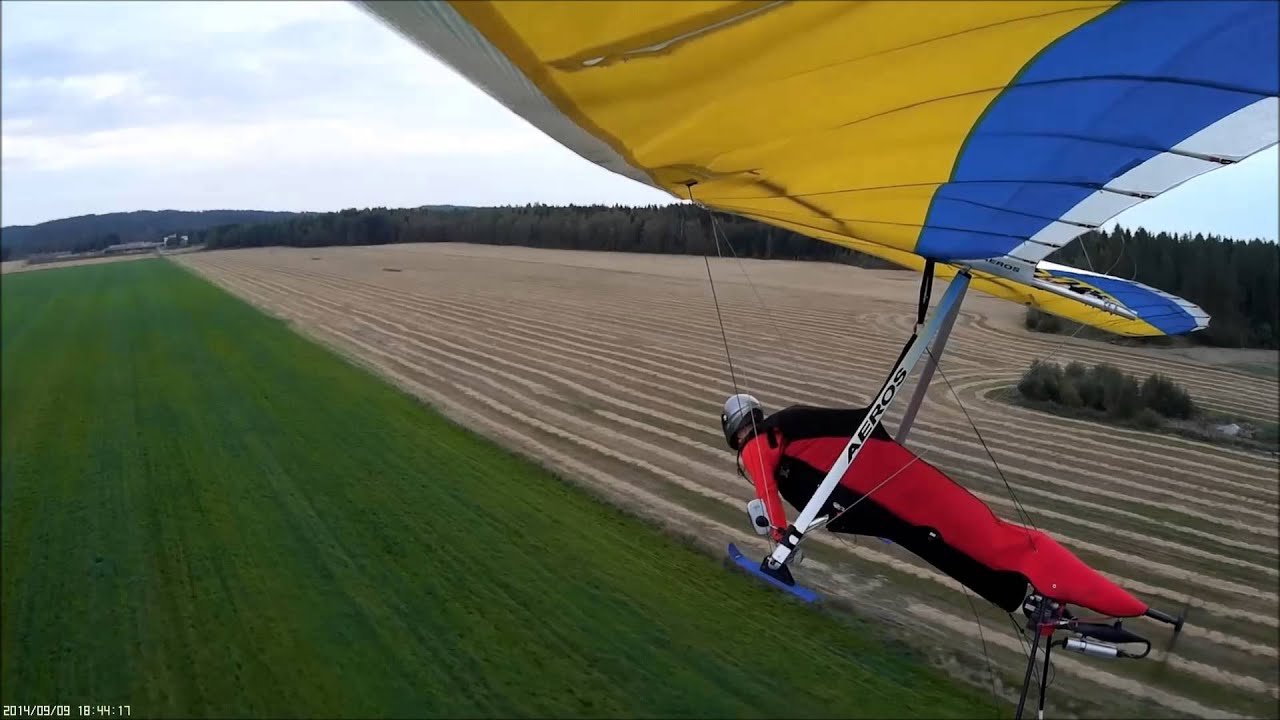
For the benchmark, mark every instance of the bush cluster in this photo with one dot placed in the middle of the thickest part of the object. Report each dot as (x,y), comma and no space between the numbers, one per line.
(1106,389)
(1040,321)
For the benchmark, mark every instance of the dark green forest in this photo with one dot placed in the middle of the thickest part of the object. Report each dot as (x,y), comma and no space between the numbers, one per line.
(667,229)
(1236,281)
(89,233)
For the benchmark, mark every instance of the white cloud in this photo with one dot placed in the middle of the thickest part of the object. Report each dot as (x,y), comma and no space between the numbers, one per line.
(18,125)
(95,24)
(243,145)
(112,106)
(98,86)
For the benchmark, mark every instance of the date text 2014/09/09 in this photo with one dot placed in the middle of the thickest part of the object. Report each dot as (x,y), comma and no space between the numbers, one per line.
(27,711)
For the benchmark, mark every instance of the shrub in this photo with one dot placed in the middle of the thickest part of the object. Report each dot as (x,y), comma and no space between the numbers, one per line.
(1148,419)
(1121,394)
(1042,382)
(1104,392)
(1069,393)
(1089,387)
(1166,397)
(1106,389)
(1041,321)
(1268,433)
(1076,370)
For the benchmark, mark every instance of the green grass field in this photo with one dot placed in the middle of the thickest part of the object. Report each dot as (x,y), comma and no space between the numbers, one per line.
(206,514)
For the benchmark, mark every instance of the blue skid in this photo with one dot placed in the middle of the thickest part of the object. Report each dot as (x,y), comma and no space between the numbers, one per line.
(753,567)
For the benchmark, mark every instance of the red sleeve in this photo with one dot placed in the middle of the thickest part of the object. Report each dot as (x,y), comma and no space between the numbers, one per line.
(759,461)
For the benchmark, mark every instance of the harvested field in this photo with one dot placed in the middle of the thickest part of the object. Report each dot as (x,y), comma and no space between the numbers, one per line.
(611,369)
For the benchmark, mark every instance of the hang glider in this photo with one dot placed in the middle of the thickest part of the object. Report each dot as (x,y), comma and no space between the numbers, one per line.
(967,140)
(979,134)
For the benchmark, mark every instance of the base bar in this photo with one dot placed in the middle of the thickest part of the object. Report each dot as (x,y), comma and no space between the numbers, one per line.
(1166,618)
(754,568)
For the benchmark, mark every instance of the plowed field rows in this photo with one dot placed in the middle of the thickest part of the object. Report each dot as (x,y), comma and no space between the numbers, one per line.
(611,369)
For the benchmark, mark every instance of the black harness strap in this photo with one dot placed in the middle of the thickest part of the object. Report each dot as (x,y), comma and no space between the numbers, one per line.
(926,291)
(922,309)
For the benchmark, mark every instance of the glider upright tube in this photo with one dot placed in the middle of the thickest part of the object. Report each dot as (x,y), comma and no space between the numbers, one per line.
(883,399)
(926,375)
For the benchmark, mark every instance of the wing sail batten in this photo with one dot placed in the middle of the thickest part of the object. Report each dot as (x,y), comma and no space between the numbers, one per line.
(1133,103)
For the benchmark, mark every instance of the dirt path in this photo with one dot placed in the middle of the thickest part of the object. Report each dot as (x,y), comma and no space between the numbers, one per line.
(17,266)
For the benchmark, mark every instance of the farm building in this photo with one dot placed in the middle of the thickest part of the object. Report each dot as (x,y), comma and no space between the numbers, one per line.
(129,247)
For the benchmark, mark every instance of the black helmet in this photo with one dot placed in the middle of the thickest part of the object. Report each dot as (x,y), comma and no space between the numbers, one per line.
(740,411)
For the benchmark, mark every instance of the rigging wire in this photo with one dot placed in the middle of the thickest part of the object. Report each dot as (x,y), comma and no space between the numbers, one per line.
(1124,249)
(991,674)
(1085,250)
(1019,633)
(733,376)
(872,491)
(720,320)
(1022,511)
(715,227)
(723,335)
(716,233)
(777,336)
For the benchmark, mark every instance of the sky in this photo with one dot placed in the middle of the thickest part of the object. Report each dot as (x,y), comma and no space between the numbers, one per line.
(118,106)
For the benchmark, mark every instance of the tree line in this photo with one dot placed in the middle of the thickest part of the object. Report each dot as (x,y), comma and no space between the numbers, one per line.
(90,233)
(670,229)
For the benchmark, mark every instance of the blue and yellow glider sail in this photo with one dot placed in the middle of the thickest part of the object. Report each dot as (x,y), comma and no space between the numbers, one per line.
(957,131)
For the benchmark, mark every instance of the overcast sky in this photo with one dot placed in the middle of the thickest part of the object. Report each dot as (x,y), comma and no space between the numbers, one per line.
(112,107)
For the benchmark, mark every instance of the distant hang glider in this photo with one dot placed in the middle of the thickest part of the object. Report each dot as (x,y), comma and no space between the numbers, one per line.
(979,134)
(964,139)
